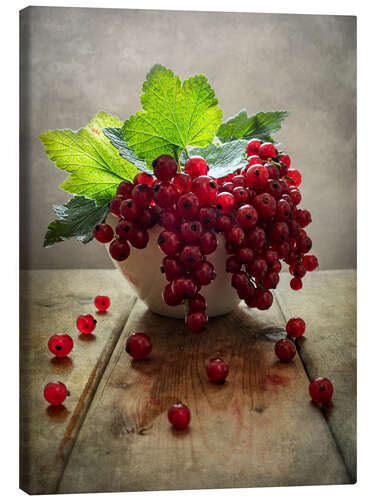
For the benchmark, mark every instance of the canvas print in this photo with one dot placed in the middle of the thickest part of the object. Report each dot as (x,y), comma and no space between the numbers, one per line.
(188,250)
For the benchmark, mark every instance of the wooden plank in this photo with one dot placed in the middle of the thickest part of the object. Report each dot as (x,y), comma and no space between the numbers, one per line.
(327,303)
(50,303)
(258,429)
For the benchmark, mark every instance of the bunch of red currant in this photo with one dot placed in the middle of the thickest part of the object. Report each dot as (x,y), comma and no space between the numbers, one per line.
(255,208)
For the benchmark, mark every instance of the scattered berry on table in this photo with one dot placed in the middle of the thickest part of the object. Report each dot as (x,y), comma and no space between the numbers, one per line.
(321,390)
(55,393)
(86,323)
(217,370)
(102,302)
(179,416)
(60,345)
(285,350)
(295,327)
(138,345)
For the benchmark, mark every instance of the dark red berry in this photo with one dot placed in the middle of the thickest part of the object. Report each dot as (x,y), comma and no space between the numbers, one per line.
(172,268)
(296,178)
(165,194)
(60,345)
(247,216)
(256,238)
(207,217)
(205,188)
(282,211)
(233,264)
(217,370)
(119,250)
(295,196)
(296,283)
(169,242)
(285,350)
(138,345)
(55,393)
(142,194)
(196,322)
(258,267)
(183,287)
(165,167)
(244,255)
(264,299)
(235,235)
(188,205)
(253,146)
(169,219)
(321,390)
(225,202)
(241,196)
(102,302)
(191,231)
(224,222)
(143,178)
(208,243)
(179,416)
(129,210)
(298,270)
(103,233)
(124,189)
(191,257)
(204,274)
(183,181)
(196,166)
(267,150)
(115,204)
(125,229)
(197,303)
(265,205)
(295,327)
(256,176)
(310,262)
(86,323)
(169,296)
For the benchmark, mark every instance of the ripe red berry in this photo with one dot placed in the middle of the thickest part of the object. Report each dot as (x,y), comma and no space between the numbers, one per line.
(303,217)
(270,280)
(103,233)
(296,178)
(191,257)
(241,196)
(279,231)
(235,235)
(304,245)
(207,217)
(169,242)
(310,262)
(143,178)
(169,219)
(247,216)
(55,393)
(208,243)
(124,189)
(172,268)
(191,231)
(239,180)
(321,390)
(125,228)
(165,167)
(273,171)
(244,255)
(142,194)
(165,194)
(217,370)
(205,188)
(183,287)
(197,303)
(264,299)
(295,196)
(204,274)
(86,323)
(256,176)
(253,146)
(102,302)
(295,327)
(196,322)
(169,296)
(296,283)
(60,345)
(183,181)
(225,202)
(265,205)
(129,210)
(285,350)
(138,345)
(253,160)
(196,166)
(274,188)
(224,222)
(227,187)
(282,211)
(179,416)
(115,204)
(119,250)
(267,150)
(298,270)
(258,267)
(188,205)
(284,158)
(256,238)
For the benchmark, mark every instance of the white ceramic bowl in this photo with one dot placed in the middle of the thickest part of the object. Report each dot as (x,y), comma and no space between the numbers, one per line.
(142,270)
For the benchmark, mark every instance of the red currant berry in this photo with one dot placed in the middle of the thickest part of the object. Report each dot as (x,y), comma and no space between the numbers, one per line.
(253,146)
(295,196)
(256,238)
(310,262)
(208,243)
(207,217)
(270,280)
(60,345)
(183,287)
(191,231)
(256,176)
(204,274)
(303,217)
(182,181)
(124,189)
(169,242)
(224,222)
(279,231)
(258,267)
(102,302)
(241,196)
(285,350)
(225,202)
(86,323)
(125,228)
(267,150)
(239,180)
(138,345)
(283,250)
(188,205)
(304,245)
(165,167)
(264,299)
(129,210)
(217,370)
(247,216)
(295,327)
(273,171)
(165,194)
(142,194)
(196,166)
(179,416)
(55,393)
(282,211)
(205,188)
(143,178)
(103,233)
(197,303)
(298,270)
(253,160)
(227,187)
(273,187)
(172,268)
(148,218)
(296,178)
(296,283)
(244,255)
(196,322)
(233,264)
(119,250)
(235,235)
(169,297)
(288,199)
(270,256)
(169,219)
(191,257)
(284,158)
(321,390)
(115,204)
(265,205)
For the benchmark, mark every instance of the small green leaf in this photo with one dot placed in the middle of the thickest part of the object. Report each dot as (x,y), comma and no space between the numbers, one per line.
(259,126)
(174,116)
(116,138)
(76,219)
(95,166)
(222,159)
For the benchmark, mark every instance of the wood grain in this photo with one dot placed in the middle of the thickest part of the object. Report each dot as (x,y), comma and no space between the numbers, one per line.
(258,429)
(50,303)
(328,349)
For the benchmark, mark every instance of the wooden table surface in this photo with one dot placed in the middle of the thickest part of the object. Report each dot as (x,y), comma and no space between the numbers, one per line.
(258,429)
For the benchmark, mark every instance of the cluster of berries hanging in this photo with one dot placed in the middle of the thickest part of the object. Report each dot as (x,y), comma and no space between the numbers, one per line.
(255,208)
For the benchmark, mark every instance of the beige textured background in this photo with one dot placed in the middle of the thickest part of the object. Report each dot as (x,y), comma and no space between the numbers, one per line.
(75,62)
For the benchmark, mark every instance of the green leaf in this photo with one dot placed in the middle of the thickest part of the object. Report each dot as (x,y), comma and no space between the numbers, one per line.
(174,116)
(95,166)
(116,138)
(222,159)
(259,126)
(76,219)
